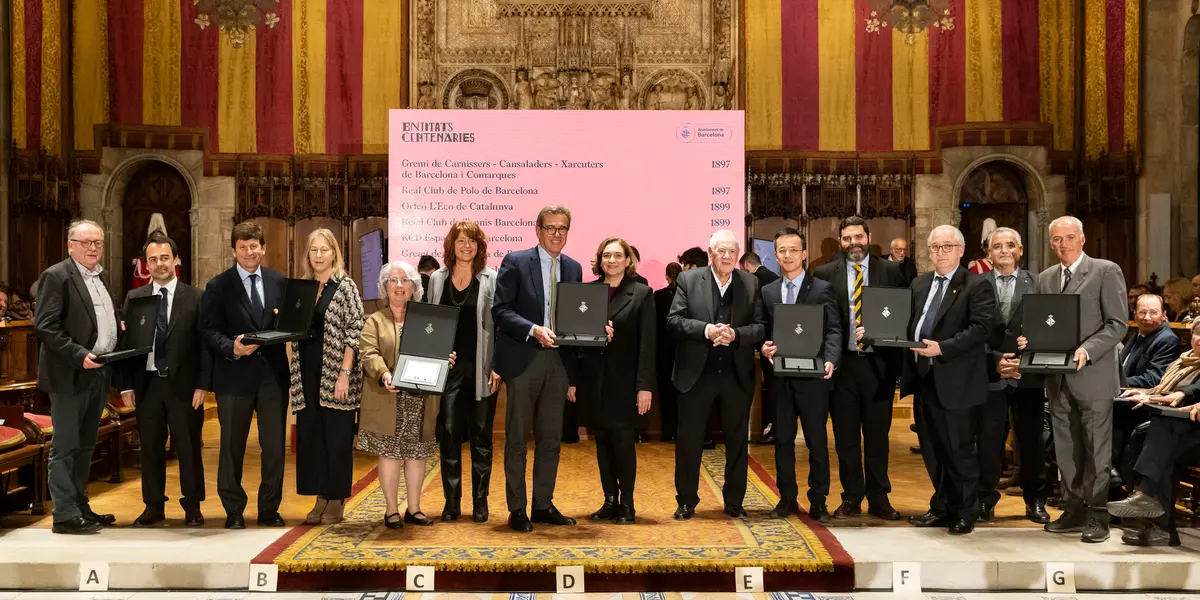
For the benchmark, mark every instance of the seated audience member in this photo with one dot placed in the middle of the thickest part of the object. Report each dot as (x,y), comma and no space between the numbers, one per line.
(3,302)
(1143,361)
(1169,442)
(1177,295)
(20,306)
(1134,293)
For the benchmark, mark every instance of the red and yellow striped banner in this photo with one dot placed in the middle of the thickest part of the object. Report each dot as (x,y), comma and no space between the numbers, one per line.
(301,87)
(37,73)
(819,78)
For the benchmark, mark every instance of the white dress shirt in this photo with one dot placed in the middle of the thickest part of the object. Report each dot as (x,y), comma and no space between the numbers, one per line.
(547,261)
(851,275)
(929,300)
(106,314)
(170,287)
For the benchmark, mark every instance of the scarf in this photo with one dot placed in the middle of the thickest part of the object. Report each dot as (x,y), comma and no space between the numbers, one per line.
(1183,371)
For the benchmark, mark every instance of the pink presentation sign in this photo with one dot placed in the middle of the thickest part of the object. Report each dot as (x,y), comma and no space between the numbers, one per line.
(663,180)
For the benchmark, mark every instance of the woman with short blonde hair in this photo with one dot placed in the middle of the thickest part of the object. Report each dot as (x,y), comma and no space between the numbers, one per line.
(326,382)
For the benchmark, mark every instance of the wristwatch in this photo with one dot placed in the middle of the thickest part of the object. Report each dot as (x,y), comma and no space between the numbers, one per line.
(346,371)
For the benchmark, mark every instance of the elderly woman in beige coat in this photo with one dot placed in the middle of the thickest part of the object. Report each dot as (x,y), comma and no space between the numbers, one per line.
(396,425)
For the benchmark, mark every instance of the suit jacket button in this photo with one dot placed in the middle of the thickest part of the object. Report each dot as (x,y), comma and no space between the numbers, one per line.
(1007,331)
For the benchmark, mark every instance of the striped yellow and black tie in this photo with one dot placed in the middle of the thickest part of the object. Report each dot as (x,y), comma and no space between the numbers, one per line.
(858,287)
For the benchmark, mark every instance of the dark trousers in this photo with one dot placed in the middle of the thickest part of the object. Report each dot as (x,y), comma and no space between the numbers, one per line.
(76,421)
(1170,443)
(1125,421)
(324,452)
(616,454)
(535,399)
(159,410)
(770,394)
(689,446)
(1027,412)
(463,418)
(861,409)
(235,414)
(668,396)
(807,399)
(947,437)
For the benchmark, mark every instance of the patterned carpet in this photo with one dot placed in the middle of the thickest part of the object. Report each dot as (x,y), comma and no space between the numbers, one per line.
(656,553)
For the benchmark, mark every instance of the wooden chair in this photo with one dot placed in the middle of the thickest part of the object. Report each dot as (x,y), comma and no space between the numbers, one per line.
(23,454)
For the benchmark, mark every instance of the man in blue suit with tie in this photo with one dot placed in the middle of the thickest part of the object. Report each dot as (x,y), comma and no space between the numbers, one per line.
(806,398)
(536,372)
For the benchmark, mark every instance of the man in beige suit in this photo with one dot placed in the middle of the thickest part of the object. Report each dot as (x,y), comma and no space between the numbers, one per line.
(1081,402)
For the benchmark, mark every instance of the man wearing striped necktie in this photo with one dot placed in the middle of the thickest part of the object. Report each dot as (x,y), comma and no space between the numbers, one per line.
(865,383)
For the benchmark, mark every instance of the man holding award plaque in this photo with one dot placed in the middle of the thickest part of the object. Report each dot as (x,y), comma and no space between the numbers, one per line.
(1081,402)
(803,396)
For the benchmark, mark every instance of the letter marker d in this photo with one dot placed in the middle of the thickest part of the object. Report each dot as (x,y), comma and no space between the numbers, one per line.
(570,579)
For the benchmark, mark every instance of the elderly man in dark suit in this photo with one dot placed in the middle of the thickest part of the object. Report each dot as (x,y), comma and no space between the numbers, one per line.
(169,386)
(537,373)
(900,257)
(717,317)
(864,385)
(247,379)
(806,398)
(76,321)
(1008,389)
(1081,405)
(948,377)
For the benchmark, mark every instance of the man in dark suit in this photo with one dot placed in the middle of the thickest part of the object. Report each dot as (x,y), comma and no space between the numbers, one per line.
(751,262)
(664,355)
(948,377)
(806,398)
(537,373)
(1143,361)
(1008,389)
(247,379)
(864,385)
(899,257)
(169,386)
(717,317)
(76,320)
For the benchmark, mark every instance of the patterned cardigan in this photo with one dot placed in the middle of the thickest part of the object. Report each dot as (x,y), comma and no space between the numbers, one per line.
(343,325)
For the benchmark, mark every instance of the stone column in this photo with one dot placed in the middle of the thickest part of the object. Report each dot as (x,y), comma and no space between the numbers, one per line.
(933,205)
(213,224)
(5,136)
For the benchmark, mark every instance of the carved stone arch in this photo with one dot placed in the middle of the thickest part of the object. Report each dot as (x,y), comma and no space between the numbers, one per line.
(1033,186)
(669,89)
(476,88)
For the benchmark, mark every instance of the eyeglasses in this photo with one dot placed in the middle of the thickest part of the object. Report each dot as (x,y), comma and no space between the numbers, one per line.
(397,280)
(943,248)
(553,230)
(788,251)
(612,256)
(90,244)
(319,251)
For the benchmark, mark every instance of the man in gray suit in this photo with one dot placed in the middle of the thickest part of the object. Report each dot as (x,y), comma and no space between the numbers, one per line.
(1081,402)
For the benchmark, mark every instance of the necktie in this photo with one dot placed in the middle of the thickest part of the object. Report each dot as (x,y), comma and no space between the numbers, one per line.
(1006,295)
(256,303)
(791,294)
(935,305)
(1066,279)
(553,289)
(858,286)
(160,333)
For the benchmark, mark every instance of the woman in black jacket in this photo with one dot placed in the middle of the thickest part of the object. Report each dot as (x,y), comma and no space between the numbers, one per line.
(614,382)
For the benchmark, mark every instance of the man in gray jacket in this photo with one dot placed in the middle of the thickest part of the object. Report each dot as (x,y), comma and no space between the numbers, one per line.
(1081,406)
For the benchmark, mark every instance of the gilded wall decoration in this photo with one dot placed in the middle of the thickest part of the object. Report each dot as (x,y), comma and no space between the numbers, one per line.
(575,54)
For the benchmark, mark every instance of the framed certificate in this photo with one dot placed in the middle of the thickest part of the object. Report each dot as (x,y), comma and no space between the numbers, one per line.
(421,372)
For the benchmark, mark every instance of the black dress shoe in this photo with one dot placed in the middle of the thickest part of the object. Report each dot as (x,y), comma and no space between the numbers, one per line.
(1095,531)
(107,520)
(914,449)
(517,521)
(847,509)
(417,519)
(641,437)
(1139,505)
(819,513)
(149,518)
(550,516)
(962,526)
(393,521)
(1147,535)
(668,438)
(479,510)
(1071,521)
(570,439)
(607,512)
(736,512)
(783,510)
(76,526)
(449,516)
(192,517)
(1036,511)
(929,519)
(235,522)
(987,513)
(625,515)
(884,511)
(271,520)
(684,512)
(710,445)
